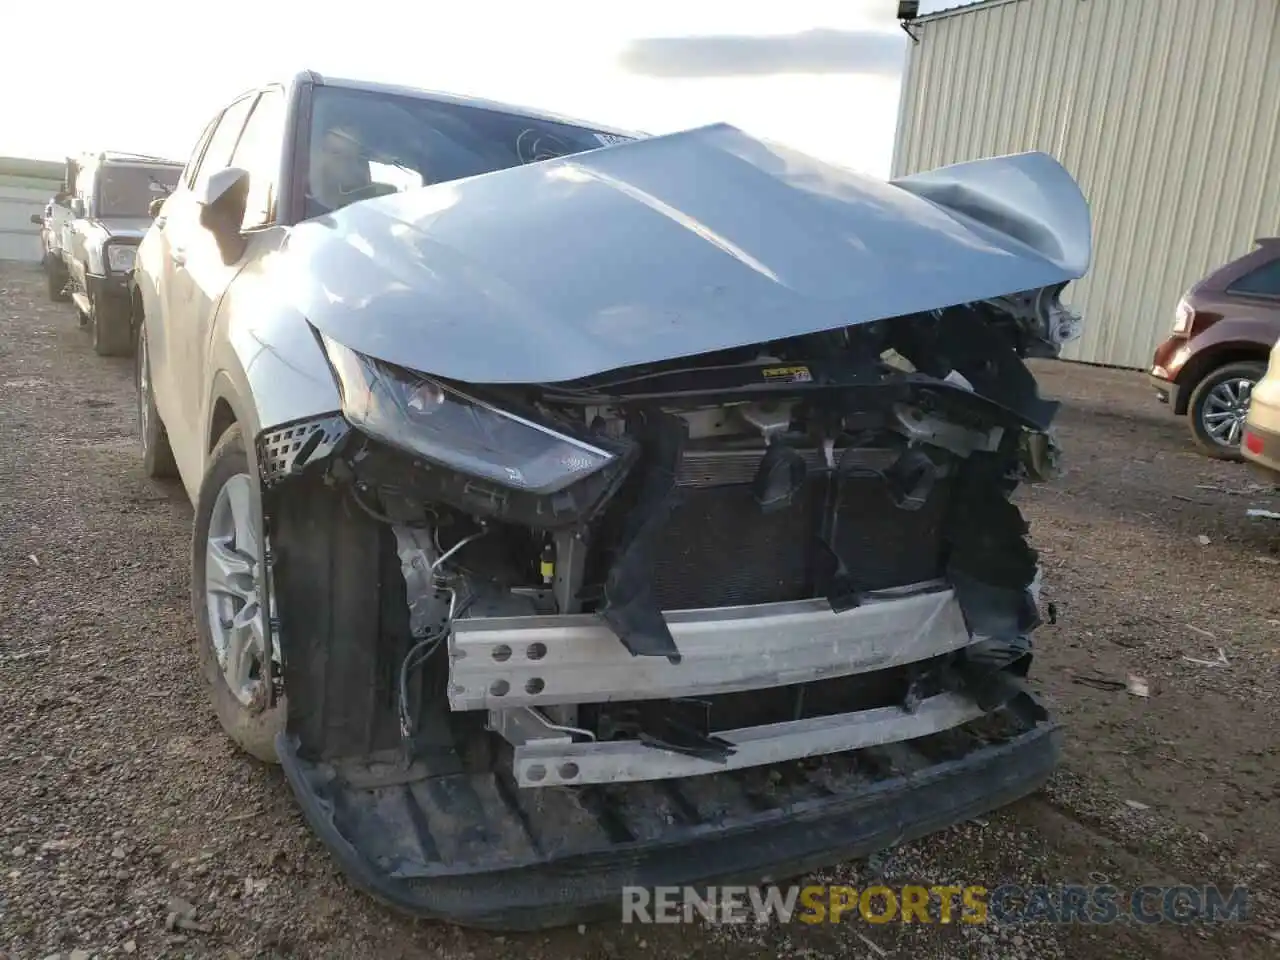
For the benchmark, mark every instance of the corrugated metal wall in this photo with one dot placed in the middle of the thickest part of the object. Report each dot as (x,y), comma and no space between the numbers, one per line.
(19,237)
(1165,111)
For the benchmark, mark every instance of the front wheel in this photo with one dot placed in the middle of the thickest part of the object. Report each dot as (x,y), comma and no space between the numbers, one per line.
(231,600)
(1219,405)
(157,455)
(55,283)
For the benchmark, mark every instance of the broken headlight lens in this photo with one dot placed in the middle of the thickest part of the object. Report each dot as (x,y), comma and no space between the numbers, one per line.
(120,257)
(420,415)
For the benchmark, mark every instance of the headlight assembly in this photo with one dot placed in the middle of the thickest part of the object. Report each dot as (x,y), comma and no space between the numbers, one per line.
(421,415)
(120,257)
(1183,318)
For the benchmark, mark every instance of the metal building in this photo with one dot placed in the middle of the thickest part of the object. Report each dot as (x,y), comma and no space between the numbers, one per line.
(25,187)
(1165,111)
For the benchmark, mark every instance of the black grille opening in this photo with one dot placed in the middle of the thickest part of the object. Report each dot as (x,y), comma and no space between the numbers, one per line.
(884,546)
(721,550)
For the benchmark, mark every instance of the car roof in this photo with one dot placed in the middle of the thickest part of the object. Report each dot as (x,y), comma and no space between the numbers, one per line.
(136,159)
(464,101)
(1217,282)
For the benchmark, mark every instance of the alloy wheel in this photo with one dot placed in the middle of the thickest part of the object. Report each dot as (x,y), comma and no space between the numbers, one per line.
(144,388)
(235,588)
(1225,409)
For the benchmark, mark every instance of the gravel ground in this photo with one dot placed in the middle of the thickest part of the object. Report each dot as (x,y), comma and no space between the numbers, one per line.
(129,826)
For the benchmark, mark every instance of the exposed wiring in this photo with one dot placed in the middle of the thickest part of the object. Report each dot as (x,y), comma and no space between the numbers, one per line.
(559,726)
(458,546)
(375,514)
(421,651)
(392,521)
(414,659)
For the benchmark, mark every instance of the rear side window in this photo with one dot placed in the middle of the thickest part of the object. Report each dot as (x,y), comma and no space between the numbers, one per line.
(1263,281)
(189,173)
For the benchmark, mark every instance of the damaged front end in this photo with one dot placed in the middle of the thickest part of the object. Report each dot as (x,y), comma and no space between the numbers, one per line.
(729,616)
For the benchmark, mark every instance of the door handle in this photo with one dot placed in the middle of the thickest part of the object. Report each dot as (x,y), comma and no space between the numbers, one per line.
(179,257)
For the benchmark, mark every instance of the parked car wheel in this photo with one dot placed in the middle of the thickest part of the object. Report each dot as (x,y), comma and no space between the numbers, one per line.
(231,597)
(111,334)
(157,455)
(56,284)
(1219,405)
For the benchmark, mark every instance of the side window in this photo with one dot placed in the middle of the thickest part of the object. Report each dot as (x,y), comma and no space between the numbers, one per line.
(259,152)
(84,187)
(189,172)
(1262,282)
(217,154)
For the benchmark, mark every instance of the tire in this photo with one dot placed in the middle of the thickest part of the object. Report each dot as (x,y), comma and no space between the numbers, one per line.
(1207,402)
(56,284)
(157,455)
(112,336)
(253,730)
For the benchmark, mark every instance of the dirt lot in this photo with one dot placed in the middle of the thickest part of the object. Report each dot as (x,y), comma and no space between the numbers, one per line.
(119,792)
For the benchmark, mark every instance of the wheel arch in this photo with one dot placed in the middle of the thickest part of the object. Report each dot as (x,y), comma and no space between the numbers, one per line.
(1206,361)
(230,402)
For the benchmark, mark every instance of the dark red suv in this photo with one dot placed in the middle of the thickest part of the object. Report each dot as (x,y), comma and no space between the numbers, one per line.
(1224,330)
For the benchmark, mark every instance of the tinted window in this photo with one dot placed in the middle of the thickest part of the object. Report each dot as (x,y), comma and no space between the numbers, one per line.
(1262,282)
(365,144)
(218,154)
(259,152)
(128,191)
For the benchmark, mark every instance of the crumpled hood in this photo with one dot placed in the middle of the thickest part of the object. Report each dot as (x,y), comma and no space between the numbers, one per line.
(671,246)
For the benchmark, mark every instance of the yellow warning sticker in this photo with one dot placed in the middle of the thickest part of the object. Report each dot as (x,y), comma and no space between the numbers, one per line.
(787,374)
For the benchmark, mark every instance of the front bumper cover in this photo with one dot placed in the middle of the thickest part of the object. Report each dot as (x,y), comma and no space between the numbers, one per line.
(474,849)
(1167,391)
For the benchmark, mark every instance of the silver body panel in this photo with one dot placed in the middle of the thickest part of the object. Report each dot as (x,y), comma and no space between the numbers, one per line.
(671,247)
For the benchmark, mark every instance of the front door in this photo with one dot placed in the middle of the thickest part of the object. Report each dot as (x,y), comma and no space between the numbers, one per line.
(192,277)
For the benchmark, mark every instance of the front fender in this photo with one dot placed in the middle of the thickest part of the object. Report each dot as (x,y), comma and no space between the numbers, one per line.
(265,362)
(93,237)
(1245,332)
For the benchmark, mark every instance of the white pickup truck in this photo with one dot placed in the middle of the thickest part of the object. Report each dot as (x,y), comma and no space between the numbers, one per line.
(110,208)
(55,228)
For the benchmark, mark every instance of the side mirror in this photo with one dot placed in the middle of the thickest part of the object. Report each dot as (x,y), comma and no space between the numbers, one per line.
(37,220)
(77,206)
(154,207)
(222,199)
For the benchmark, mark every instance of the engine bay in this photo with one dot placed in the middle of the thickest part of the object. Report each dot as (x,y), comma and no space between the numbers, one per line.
(862,472)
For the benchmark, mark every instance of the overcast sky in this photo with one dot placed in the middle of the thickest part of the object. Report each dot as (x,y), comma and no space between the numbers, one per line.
(145,75)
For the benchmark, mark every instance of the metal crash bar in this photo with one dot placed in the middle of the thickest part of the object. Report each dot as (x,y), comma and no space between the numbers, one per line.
(504,662)
(542,763)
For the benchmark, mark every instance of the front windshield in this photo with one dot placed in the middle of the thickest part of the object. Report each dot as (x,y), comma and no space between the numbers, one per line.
(366,144)
(125,191)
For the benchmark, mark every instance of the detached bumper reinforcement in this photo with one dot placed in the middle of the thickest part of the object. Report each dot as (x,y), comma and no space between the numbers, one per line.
(618,761)
(474,849)
(499,662)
